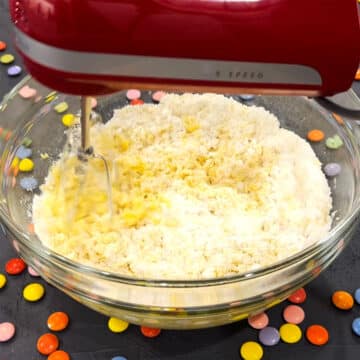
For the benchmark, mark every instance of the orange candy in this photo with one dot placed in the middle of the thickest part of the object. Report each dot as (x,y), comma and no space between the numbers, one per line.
(47,344)
(58,321)
(357,76)
(338,118)
(317,335)
(59,355)
(343,300)
(150,332)
(315,135)
(2,45)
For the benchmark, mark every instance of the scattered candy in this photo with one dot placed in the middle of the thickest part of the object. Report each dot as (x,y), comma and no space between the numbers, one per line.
(50,97)
(356,326)
(158,95)
(269,336)
(317,335)
(342,300)
(290,333)
(33,292)
(357,75)
(119,358)
(136,102)
(27,92)
(68,119)
(258,321)
(26,165)
(27,142)
(14,70)
(357,296)
(7,331)
(150,332)
(7,59)
(93,103)
(15,266)
(44,156)
(338,118)
(31,230)
(31,271)
(61,107)
(334,142)
(2,45)
(246,97)
(315,135)
(59,355)
(3,281)
(58,321)
(116,325)
(332,169)
(15,162)
(133,94)
(23,152)
(29,183)
(294,314)
(251,350)
(47,344)
(298,297)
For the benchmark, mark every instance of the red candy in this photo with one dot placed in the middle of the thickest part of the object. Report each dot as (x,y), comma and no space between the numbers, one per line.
(298,297)
(150,332)
(15,266)
(136,102)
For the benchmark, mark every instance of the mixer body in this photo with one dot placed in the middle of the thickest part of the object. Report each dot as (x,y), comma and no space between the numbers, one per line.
(92,47)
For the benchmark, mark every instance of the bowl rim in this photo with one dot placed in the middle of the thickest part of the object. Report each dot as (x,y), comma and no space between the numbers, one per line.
(34,244)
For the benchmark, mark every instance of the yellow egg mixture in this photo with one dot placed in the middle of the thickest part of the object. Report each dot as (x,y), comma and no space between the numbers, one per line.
(202,186)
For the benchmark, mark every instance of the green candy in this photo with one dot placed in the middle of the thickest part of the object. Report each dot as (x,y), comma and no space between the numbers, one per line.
(334,142)
(27,142)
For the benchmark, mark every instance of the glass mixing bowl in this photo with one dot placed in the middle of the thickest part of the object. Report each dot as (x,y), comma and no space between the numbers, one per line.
(169,304)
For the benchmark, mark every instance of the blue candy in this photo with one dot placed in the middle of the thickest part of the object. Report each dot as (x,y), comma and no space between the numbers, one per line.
(119,358)
(23,152)
(357,296)
(246,97)
(29,183)
(356,326)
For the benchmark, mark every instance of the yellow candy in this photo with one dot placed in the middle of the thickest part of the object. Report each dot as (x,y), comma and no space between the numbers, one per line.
(50,97)
(61,107)
(7,59)
(251,350)
(2,280)
(290,333)
(33,292)
(68,119)
(117,325)
(26,165)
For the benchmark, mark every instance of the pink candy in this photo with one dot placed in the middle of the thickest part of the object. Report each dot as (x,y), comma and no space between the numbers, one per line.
(158,95)
(32,272)
(133,94)
(294,314)
(7,331)
(27,92)
(258,321)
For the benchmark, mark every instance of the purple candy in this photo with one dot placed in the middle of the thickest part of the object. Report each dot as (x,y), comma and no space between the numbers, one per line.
(269,336)
(14,70)
(23,152)
(332,169)
(29,183)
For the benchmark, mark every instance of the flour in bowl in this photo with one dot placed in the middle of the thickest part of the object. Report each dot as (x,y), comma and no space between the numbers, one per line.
(202,187)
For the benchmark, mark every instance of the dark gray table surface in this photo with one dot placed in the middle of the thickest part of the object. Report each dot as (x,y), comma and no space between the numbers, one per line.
(88,338)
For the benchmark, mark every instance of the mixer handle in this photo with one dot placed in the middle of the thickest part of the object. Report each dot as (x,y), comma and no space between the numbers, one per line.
(346,104)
